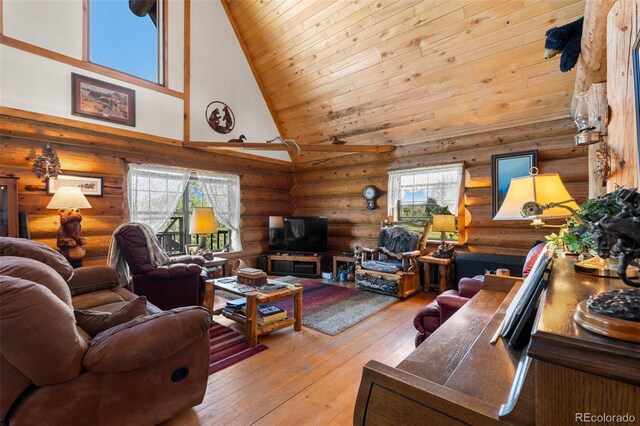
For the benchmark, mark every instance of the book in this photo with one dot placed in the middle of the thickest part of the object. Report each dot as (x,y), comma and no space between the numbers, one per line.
(272,319)
(250,272)
(267,310)
(237,303)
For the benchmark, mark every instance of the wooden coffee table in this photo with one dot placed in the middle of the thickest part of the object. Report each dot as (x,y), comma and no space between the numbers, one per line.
(255,298)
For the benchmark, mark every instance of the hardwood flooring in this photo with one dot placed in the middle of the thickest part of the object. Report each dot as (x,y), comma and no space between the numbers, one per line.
(305,377)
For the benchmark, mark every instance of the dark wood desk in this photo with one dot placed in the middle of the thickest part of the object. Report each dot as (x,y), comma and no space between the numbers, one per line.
(457,377)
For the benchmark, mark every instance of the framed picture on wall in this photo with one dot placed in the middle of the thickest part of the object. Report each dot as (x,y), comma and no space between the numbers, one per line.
(505,167)
(90,186)
(103,101)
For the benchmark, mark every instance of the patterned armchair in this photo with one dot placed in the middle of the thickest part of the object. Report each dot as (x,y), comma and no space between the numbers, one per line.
(392,268)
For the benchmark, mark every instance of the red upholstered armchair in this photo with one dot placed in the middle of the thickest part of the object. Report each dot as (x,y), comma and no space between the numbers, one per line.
(431,316)
(179,283)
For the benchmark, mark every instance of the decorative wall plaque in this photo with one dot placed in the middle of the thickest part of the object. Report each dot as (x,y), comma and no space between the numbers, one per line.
(220,117)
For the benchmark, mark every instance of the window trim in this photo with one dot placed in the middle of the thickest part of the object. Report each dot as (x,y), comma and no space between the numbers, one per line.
(130,78)
(462,239)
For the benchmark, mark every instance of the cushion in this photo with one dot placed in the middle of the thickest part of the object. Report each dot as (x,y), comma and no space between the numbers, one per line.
(38,272)
(21,247)
(376,265)
(93,322)
(39,336)
(532,256)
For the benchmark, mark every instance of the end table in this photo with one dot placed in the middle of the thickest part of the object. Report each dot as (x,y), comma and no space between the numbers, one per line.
(445,272)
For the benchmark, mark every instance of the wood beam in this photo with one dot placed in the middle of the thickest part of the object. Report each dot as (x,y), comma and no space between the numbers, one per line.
(282,147)
(592,63)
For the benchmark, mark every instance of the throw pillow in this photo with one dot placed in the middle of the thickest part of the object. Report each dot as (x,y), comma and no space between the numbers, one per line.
(93,322)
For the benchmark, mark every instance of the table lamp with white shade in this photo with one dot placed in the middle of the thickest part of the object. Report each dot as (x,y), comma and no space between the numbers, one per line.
(69,200)
(203,223)
(538,197)
(443,223)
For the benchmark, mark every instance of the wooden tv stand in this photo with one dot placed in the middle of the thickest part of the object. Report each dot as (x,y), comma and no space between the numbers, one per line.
(315,261)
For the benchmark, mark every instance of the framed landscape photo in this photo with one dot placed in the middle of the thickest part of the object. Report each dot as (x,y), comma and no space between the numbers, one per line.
(191,249)
(89,186)
(103,101)
(505,167)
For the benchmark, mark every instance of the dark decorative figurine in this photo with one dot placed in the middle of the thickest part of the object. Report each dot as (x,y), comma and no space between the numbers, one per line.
(239,139)
(620,234)
(69,240)
(47,165)
(566,40)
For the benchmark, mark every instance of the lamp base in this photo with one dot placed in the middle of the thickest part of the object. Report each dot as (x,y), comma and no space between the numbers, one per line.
(603,268)
(444,251)
(613,314)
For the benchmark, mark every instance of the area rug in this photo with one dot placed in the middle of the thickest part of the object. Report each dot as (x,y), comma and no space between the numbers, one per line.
(228,347)
(332,309)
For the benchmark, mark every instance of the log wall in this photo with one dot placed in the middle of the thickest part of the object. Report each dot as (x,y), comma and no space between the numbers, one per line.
(265,189)
(623,26)
(333,187)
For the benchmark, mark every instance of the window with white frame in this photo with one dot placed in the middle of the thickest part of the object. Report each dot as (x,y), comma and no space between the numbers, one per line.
(123,41)
(418,194)
(164,198)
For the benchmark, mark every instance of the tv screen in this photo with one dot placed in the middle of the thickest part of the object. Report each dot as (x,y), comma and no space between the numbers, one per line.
(276,233)
(305,234)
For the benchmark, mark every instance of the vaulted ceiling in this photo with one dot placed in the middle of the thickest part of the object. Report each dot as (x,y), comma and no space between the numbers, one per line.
(402,71)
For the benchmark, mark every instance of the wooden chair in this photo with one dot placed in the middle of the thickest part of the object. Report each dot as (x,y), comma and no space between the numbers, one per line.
(392,267)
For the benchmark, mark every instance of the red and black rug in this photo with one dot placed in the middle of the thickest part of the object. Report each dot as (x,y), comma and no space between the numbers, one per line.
(228,347)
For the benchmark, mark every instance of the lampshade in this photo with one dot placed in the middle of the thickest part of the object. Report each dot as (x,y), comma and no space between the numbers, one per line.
(276,222)
(444,223)
(543,189)
(203,221)
(67,197)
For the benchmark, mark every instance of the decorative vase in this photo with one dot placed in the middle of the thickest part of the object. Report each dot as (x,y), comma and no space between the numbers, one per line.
(343,276)
(351,276)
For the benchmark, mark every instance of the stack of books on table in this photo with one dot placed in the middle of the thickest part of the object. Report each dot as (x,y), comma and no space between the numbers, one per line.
(251,276)
(235,307)
(268,314)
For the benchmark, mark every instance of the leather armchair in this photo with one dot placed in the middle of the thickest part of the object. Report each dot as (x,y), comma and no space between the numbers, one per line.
(179,283)
(53,372)
(431,316)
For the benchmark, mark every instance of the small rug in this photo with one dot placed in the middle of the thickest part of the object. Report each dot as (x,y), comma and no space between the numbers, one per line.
(228,347)
(332,309)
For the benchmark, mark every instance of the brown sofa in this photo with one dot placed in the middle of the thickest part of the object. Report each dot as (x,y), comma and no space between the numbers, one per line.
(144,371)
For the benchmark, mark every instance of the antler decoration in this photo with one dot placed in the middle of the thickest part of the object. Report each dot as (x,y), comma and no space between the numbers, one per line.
(287,142)
(47,165)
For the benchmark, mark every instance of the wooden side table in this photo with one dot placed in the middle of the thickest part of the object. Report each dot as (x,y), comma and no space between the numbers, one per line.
(217,262)
(341,259)
(445,272)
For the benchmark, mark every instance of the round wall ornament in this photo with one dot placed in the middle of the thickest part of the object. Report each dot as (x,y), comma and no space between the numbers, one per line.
(220,117)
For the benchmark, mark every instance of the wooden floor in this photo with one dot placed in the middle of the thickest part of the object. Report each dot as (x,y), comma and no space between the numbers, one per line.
(305,377)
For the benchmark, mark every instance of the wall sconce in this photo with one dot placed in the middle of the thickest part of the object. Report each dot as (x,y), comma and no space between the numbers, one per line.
(585,117)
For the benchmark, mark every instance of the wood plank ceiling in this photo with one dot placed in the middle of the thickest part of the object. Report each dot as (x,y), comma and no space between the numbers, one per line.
(402,71)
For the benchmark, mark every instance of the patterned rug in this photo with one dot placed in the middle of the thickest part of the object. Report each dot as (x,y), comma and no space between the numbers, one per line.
(228,347)
(332,309)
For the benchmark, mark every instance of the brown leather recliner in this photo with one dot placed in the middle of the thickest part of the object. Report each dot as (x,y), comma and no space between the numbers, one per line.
(144,371)
(180,283)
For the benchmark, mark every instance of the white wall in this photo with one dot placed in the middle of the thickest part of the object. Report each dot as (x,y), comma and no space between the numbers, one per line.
(52,24)
(34,83)
(220,72)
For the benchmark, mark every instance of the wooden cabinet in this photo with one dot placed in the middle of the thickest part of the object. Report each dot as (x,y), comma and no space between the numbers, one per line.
(298,265)
(9,206)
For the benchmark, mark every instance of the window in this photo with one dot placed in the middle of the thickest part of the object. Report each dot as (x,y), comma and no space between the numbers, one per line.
(123,41)
(418,194)
(164,198)
(174,234)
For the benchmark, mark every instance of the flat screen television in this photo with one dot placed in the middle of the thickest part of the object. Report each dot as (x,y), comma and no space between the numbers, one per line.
(299,234)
